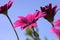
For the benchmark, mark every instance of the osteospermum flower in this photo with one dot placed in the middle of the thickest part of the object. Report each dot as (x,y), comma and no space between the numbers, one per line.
(56,28)
(29,21)
(57,22)
(50,12)
(4,8)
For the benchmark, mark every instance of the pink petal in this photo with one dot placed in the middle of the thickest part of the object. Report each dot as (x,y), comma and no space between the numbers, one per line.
(57,23)
(54,8)
(30,18)
(17,23)
(9,4)
(56,31)
(23,19)
(41,14)
(35,13)
(23,26)
(32,25)
(38,14)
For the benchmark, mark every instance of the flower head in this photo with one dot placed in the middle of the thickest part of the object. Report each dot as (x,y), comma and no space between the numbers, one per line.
(4,8)
(56,28)
(29,21)
(50,12)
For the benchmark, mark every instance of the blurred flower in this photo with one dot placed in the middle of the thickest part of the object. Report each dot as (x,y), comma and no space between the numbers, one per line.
(29,21)
(56,28)
(57,23)
(4,8)
(56,31)
(50,12)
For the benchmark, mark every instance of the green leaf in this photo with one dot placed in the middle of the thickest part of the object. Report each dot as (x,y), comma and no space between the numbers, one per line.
(28,39)
(36,34)
(28,31)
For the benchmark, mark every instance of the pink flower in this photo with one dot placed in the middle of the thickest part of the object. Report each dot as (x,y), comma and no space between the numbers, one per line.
(5,7)
(50,12)
(57,23)
(56,28)
(29,21)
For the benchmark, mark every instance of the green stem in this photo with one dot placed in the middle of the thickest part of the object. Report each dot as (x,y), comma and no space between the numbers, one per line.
(13,27)
(36,35)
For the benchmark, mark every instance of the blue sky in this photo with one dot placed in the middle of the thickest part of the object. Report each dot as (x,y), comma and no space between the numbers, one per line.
(22,8)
